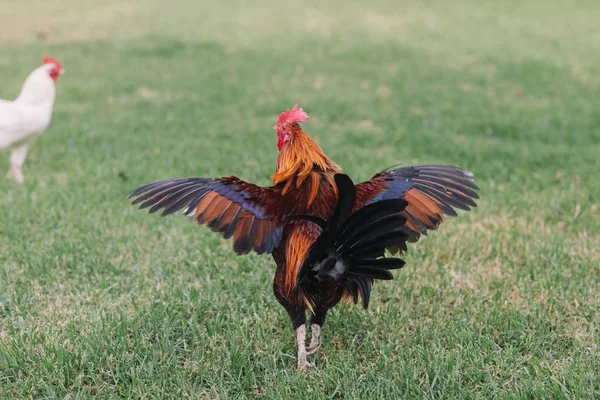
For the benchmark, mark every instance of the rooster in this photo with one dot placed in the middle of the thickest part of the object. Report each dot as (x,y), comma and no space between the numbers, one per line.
(285,219)
(29,115)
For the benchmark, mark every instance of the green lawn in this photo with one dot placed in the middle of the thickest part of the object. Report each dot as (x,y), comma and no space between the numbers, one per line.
(98,299)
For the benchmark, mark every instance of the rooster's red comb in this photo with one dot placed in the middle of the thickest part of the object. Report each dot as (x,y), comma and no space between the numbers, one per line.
(295,115)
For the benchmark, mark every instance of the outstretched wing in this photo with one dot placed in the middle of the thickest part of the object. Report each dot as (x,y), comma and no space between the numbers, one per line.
(431,191)
(349,252)
(227,205)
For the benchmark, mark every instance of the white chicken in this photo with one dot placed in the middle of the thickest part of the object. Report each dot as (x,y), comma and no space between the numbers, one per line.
(29,115)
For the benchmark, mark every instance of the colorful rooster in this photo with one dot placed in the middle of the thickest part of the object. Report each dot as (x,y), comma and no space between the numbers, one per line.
(283,219)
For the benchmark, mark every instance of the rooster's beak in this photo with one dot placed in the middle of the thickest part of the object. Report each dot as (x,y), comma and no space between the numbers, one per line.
(62,71)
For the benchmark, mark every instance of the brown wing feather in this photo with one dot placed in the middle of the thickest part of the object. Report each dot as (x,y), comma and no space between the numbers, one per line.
(203,204)
(419,213)
(431,191)
(243,232)
(214,209)
(260,228)
(410,224)
(226,205)
(227,217)
(427,204)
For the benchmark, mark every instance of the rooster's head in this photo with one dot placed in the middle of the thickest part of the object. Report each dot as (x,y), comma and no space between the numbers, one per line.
(287,125)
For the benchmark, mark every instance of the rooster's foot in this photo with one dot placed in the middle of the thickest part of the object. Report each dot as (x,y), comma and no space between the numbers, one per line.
(303,363)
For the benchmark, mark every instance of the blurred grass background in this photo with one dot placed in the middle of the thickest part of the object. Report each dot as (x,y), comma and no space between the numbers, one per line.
(98,300)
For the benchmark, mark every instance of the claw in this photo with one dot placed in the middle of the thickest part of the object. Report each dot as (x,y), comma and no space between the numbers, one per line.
(303,363)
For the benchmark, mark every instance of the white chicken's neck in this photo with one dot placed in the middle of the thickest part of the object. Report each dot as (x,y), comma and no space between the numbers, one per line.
(38,89)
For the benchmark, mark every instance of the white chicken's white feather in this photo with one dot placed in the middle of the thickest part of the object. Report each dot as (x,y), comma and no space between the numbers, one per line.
(30,113)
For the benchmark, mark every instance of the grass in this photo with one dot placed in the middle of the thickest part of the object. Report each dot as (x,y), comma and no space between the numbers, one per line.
(100,300)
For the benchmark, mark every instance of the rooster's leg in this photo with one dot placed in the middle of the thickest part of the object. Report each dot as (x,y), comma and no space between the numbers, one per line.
(298,316)
(302,354)
(316,323)
(17,158)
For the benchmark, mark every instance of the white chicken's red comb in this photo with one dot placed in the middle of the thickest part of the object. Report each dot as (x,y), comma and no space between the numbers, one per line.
(51,60)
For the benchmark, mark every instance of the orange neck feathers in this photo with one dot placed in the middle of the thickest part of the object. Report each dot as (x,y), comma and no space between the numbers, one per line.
(303,160)
(302,167)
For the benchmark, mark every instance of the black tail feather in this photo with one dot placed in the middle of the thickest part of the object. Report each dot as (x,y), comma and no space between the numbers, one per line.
(386,263)
(372,273)
(346,197)
(350,249)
